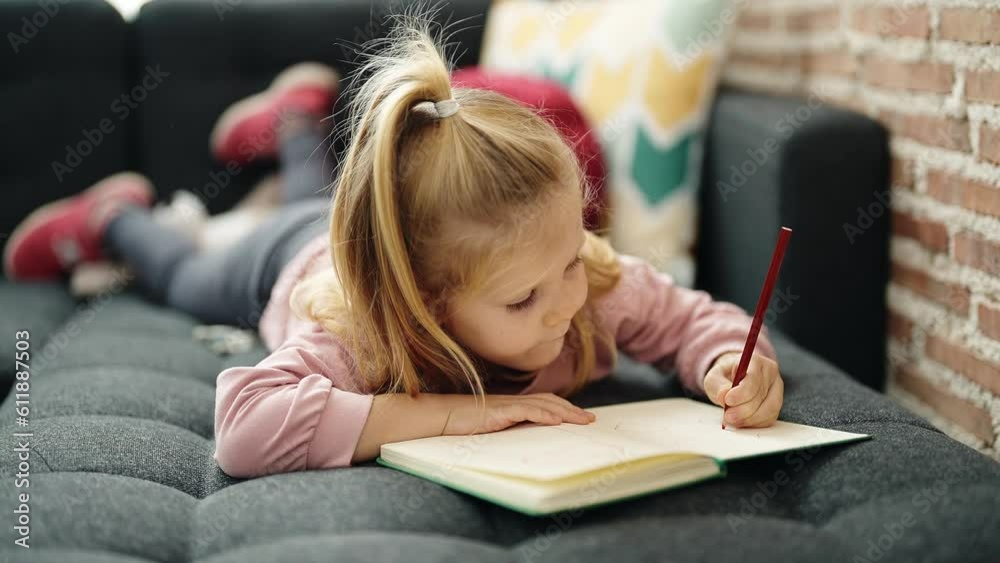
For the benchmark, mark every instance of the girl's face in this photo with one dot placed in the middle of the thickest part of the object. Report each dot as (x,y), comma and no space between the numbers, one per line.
(520,319)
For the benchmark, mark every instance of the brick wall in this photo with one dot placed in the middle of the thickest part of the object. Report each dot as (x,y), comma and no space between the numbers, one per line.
(930,71)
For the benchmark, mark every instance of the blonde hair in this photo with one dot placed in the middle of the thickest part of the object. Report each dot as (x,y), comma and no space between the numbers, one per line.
(406,171)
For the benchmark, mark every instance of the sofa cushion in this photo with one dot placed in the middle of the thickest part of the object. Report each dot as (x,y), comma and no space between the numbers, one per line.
(122,470)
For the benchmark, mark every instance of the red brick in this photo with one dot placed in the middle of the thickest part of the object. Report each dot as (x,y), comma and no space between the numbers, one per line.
(900,327)
(825,19)
(926,76)
(759,21)
(840,63)
(989,321)
(970,24)
(893,21)
(929,233)
(983,86)
(954,297)
(964,362)
(943,132)
(776,60)
(972,195)
(989,143)
(973,418)
(902,173)
(850,101)
(977,252)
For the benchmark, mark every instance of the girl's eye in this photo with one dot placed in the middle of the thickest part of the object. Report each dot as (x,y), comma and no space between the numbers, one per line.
(520,306)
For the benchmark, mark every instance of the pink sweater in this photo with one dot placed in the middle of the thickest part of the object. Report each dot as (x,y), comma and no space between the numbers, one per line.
(302,408)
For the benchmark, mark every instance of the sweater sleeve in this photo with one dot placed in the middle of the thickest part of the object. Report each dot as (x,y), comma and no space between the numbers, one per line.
(288,412)
(658,322)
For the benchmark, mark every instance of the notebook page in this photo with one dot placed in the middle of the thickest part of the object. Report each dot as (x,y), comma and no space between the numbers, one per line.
(684,425)
(531,451)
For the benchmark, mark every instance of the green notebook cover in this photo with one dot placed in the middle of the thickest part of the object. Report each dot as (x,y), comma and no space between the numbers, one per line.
(524,510)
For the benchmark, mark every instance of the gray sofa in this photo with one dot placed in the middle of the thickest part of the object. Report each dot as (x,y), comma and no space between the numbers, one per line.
(121,396)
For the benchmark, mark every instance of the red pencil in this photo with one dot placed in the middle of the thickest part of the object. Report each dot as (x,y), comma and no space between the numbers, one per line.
(758,315)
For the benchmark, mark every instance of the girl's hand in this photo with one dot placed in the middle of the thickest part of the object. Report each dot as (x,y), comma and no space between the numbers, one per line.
(467,416)
(757,400)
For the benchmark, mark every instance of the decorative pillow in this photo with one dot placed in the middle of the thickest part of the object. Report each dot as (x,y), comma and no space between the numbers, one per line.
(555,104)
(645,73)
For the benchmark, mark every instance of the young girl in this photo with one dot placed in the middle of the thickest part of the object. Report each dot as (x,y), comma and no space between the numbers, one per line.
(457,290)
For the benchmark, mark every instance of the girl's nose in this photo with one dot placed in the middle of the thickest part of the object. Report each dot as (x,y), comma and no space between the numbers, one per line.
(562,310)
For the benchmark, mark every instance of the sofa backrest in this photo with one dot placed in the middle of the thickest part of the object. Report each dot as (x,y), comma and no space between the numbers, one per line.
(217,53)
(87,94)
(63,70)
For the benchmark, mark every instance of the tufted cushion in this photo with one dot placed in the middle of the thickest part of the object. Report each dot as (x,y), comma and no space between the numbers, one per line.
(47,306)
(122,470)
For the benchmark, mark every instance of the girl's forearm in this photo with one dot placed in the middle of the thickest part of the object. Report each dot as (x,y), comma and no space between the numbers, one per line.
(396,417)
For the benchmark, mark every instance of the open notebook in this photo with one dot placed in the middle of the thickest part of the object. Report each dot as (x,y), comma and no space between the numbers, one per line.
(630,450)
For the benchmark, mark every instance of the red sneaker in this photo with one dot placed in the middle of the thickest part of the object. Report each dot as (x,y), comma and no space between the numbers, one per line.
(61,234)
(248,129)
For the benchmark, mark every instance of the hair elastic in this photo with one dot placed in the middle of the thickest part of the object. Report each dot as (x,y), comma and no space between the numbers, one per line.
(446,108)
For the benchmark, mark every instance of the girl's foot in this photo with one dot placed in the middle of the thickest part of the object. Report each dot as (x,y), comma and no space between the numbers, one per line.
(249,128)
(61,234)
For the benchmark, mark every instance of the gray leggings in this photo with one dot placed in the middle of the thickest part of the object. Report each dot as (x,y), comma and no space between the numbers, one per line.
(230,285)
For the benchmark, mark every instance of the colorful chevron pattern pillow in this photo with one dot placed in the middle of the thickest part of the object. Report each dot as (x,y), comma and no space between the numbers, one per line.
(645,73)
